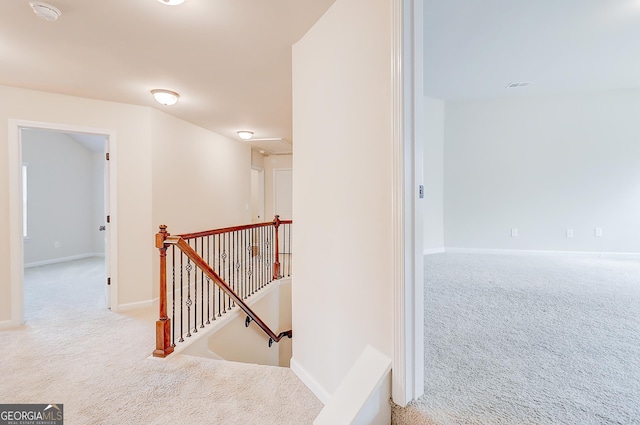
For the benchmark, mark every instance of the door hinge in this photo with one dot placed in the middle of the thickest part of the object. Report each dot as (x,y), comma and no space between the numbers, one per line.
(107,156)
(108,281)
(421,191)
(108,219)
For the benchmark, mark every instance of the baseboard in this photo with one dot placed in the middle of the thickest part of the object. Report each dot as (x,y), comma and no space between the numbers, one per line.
(61,260)
(8,324)
(310,381)
(434,251)
(542,252)
(137,305)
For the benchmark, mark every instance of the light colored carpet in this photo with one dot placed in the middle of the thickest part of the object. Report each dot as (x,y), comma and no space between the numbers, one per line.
(513,339)
(74,351)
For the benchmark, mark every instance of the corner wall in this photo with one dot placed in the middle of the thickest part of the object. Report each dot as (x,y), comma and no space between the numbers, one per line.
(543,165)
(342,191)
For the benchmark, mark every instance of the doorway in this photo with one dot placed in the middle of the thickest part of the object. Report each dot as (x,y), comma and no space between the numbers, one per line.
(42,240)
(63,198)
(282,193)
(257,195)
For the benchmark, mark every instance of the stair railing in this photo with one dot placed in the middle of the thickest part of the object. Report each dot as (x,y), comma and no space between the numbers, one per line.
(214,272)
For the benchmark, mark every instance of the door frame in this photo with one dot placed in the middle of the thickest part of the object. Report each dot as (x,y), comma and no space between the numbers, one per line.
(16,251)
(261,207)
(407,211)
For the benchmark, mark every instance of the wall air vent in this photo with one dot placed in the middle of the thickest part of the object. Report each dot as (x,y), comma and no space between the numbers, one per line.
(518,84)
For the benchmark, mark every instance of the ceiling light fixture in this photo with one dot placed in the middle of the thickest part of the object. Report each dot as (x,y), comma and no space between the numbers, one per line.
(165,97)
(245,135)
(45,10)
(171,2)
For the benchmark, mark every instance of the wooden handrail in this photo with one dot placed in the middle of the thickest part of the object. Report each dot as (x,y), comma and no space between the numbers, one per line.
(233,229)
(164,342)
(211,274)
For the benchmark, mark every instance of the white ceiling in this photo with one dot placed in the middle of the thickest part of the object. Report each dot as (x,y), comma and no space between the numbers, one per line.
(474,49)
(230,60)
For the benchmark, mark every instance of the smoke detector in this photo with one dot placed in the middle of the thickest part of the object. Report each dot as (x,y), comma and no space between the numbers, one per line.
(45,10)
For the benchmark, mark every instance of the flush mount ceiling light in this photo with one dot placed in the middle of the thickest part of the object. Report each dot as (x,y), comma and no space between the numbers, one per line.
(45,11)
(165,97)
(171,2)
(245,135)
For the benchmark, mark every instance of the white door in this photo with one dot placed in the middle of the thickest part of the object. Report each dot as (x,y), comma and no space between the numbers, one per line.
(106,228)
(283,190)
(257,196)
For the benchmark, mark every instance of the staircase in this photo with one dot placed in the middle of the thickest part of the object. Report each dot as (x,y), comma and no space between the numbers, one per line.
(207,275)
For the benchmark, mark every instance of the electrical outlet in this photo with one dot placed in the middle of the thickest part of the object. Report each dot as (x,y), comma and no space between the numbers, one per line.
(598,232)
(514,232)
(56,244)
(569,233)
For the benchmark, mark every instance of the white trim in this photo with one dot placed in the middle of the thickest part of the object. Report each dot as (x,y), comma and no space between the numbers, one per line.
(363,381)
(542,252)
(408,257)
(8,324)
(61,260)
(399,375)
(433,251)
(415,174)
(311,383)
(16,240)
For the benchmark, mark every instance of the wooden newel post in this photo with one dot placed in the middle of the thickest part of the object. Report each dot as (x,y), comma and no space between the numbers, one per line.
(276,263)
(163,324)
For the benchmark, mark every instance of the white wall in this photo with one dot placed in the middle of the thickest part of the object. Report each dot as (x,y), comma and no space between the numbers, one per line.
(131,124)
(60,197)
(201,180)
(433,226)
(227,338)
(342,191)
(544,165)
(237,343)
(188,178)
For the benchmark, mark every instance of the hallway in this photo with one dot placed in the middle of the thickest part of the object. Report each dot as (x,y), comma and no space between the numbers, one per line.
(72,350)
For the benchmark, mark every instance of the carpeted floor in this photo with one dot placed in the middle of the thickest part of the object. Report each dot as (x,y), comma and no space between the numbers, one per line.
(74,351)
(530,339)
